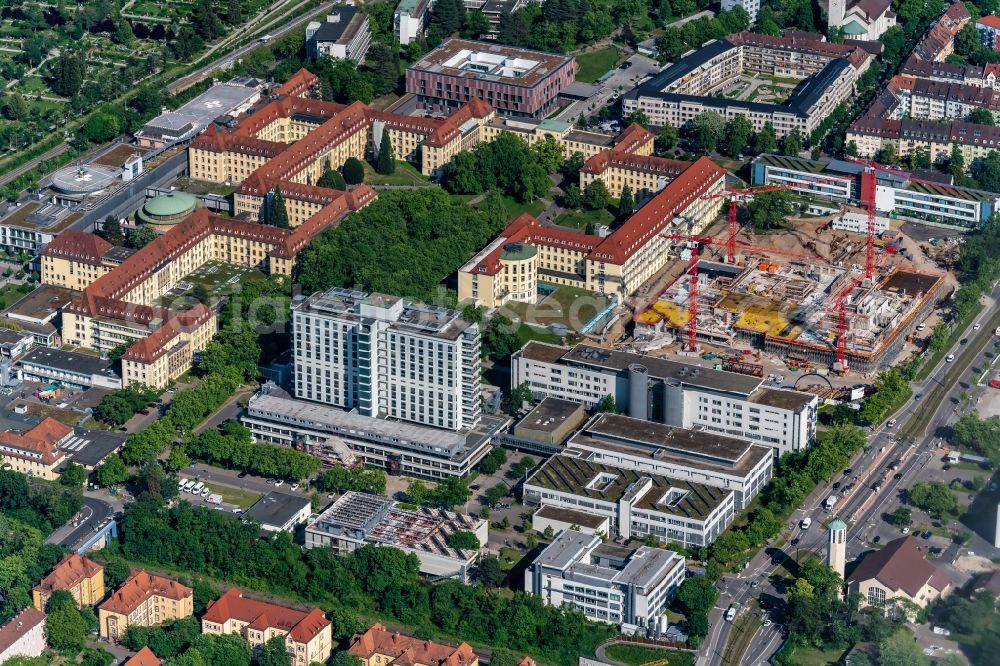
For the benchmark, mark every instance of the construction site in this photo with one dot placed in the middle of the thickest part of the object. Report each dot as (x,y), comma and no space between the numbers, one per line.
(812,298)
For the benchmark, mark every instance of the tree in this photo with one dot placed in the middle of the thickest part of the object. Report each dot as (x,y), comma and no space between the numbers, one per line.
(939,336)
(769,210)
(851,149)
(793,143)
(274,653)
(463,540)
(982,116)
(111,472)
(549,153)
(140,237)
(766,141)
(637,117)
(123,33)
(344,658)
(353,171)
(386,163)
(493,461)
(476,24)
(200,294)
(572,197)
(447,17)
(14,106)
(206,22)
(887,154)
(223,649)
(277,214)
(111,231)
(707,130)
(666,139)
(177,460)
(233,12)
(331,178)
(65,628)
(902,517)
(738,134)
(607,404)
(935,497)
(986,171)
(520,395)
(901,649)
(626,203)
(67,74)
(956,162)
(597,196)
(101,126)
(73,475)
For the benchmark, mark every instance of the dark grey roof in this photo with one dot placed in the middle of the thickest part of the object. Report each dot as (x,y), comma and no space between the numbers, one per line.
(331,32)
(684,66)
(10,337)
(276,508)
(75,362)
(807,93)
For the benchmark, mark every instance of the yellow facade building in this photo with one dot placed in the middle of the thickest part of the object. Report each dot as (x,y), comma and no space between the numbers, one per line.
(143,600)
(76,574)
(36,451)
(308,635)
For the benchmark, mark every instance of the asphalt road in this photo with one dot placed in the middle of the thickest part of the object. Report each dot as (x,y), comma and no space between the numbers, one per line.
(94,513)
(862,508)
(223,61)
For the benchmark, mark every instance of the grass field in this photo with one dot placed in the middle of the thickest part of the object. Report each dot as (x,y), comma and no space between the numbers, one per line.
(594,64)
(405,174)
(744,628)
(241,498)
(580,219)
(515,208)
(636,655)
(810,656)
(566,305)
(12,293)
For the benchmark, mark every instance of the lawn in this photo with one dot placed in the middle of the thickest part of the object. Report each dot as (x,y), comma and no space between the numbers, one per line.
(581,219)
(527,333)
(12,293)
(516,208)
(241,498)
(405,174)
(636,655)
(744,629)
(594,64)
(810,656)
(569,306)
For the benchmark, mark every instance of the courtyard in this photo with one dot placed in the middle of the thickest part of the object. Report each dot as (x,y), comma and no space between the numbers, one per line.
(212,281)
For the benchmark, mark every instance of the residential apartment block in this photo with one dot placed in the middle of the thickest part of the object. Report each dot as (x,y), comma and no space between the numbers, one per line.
(607,582)
(638,505)
(308,635)
(939,42)
(514,81)
(686,88)
(671,392)
(409,19)
(526,252)
(36,451)
(989,31)
(344,33)
(904,194)
(23,635)
(78,575)
(387,358)
(357,519)
(380,647)
(143,600)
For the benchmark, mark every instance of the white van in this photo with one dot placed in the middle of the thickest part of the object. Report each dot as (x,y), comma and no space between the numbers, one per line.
(805,522)
(182,483)
(732,611)
(197,488)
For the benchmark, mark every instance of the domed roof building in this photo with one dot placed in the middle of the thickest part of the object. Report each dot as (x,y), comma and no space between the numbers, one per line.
(166,210)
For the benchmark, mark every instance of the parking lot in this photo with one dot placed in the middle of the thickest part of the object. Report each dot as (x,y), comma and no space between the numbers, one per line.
(609,89)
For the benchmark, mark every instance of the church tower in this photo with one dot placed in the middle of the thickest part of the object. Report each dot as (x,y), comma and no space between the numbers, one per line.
(836,550)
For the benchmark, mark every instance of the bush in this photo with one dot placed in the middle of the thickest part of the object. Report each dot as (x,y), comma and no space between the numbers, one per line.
(353,171)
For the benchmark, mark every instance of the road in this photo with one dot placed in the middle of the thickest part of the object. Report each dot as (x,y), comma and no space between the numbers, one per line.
(94,513)
(221,62)
(862,508)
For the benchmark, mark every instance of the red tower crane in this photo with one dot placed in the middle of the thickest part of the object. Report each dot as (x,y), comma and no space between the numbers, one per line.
(692,324)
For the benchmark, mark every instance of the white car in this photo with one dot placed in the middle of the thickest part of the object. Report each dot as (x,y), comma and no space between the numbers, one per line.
(767,622)
(278,482)
(294,486)
(950,358)
(976,327)
(891,423)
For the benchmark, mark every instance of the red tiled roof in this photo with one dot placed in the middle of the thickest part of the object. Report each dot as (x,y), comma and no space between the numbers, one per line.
(298,83)
(648,163)
(450,128)
(143,657)
(527,229)
(323,219)
(70,572)
(16,627)
(632,137)
(408,651)
(989,21)
(302,626)
(658,212)
(40,443)
(157,343)
(900,565)
(139,587)
(220,141)
(78,246)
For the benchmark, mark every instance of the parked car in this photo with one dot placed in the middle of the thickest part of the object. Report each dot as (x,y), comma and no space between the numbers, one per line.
(949,358)
(144,411)
(278,482)
(876,539)
(294,486)
(891,423)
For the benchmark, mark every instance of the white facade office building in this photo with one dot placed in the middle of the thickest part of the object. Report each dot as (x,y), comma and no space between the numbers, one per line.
(387,358)
(677,394)
(607,582)
(638,505)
